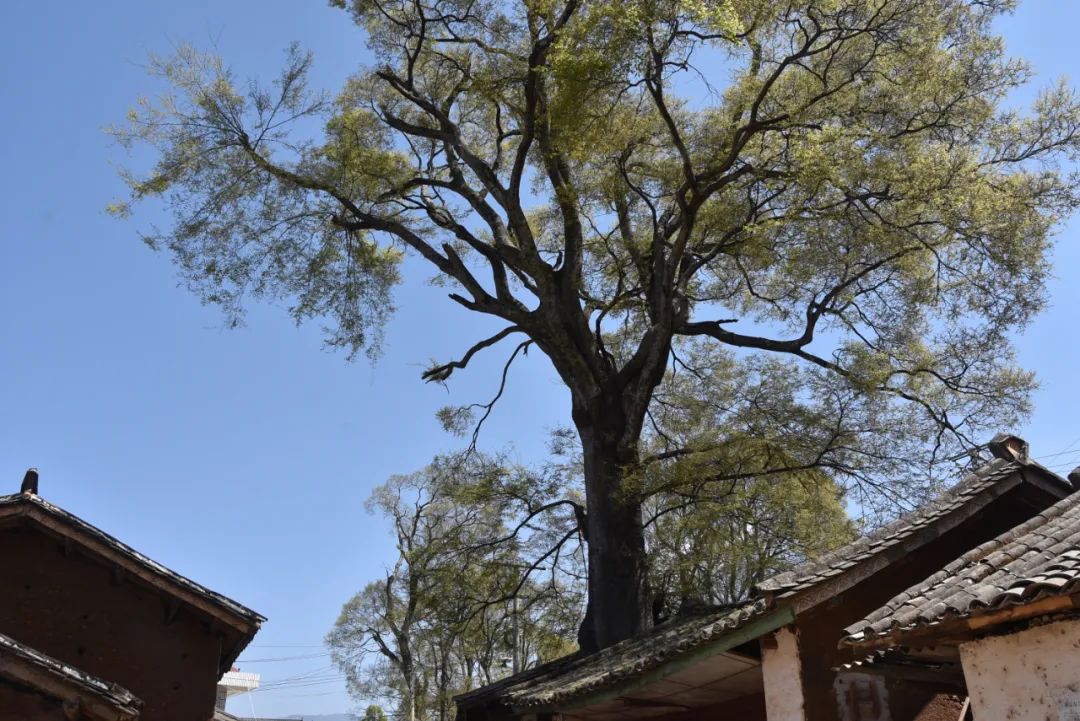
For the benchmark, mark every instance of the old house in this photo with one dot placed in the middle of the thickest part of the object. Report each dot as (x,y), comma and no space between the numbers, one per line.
(777,657)
(74,594)
(1001,623)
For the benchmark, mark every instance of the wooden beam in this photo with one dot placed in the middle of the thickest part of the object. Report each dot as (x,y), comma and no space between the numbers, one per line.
(1015,613)
(1038,478)
(953,676)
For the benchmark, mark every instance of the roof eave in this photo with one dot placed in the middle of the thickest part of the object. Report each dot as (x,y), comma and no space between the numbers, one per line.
(243,621)
(822,591)
(955,630)
(99,699)
(1025,472)
(768,623)
(1042,477)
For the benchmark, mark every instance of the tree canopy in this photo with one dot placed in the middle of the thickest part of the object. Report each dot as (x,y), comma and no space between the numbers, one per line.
(831,194)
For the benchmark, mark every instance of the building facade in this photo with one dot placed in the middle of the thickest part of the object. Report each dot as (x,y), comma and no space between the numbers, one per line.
(1002,622)
(75,594)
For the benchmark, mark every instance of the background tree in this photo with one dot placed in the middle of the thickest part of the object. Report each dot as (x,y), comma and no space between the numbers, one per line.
(465,602)
(395,619)
(853,208)
(713,552)
(374,713)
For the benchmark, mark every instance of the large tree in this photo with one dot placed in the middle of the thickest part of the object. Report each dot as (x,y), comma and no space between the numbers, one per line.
(827,188)
(489,575)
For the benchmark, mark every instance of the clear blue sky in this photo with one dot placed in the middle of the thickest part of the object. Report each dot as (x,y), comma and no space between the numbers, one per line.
(242,458)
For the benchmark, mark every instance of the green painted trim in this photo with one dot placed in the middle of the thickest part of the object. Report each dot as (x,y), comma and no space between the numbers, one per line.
(738,636)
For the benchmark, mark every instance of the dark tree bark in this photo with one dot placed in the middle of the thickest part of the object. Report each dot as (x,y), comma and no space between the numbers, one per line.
(609,425)
(619,598)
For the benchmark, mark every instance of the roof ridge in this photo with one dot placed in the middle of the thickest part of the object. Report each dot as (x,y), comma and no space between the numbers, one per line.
(892,533)
(234,607)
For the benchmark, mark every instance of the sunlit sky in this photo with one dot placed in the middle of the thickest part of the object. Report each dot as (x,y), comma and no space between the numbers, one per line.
(242,458)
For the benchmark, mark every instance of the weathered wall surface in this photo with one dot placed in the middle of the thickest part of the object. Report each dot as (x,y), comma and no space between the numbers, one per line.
(782,673)
(862,697)
(1032,675)
(72,608)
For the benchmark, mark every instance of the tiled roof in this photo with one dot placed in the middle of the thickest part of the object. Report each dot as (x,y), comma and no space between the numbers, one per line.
(29,501)
(118,697)
(244,622)
(1038,558)
(986,480)
(578,674)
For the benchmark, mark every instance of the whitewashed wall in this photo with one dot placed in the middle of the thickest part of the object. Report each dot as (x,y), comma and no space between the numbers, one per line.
(782,674)
(1033,675)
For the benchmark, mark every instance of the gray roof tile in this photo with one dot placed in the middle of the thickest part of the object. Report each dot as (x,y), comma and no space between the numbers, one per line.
(984,479)
(116,695)
(1037,559)
(578,674)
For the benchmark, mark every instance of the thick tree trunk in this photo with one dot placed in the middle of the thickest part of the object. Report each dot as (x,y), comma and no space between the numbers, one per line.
(619,598)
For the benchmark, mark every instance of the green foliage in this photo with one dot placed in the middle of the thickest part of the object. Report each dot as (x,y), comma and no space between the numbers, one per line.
(374,713)
(841,221)
(246,227)
(717,548)
(855,183)
(467,596)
